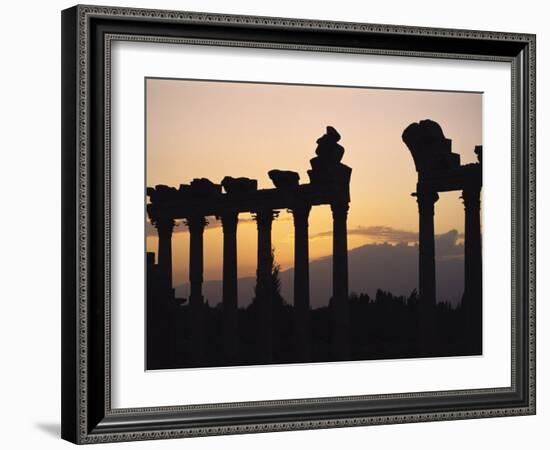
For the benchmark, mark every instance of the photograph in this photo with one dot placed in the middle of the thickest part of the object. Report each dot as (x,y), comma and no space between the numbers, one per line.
(296,223)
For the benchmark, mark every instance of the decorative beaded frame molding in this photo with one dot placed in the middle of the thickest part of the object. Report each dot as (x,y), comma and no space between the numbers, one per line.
(87,35)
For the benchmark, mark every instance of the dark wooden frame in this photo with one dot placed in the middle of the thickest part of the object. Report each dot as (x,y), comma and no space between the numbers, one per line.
(87,416)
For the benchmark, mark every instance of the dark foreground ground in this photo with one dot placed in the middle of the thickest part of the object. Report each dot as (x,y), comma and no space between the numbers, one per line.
(383,327)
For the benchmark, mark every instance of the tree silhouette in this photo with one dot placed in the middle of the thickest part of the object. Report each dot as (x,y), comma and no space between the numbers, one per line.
(276,282)
(274,286)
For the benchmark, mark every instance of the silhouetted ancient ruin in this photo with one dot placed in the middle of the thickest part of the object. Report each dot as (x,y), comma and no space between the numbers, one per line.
(329,185)
(439,170)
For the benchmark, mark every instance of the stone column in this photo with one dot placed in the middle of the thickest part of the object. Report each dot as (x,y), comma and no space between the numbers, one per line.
(472,302)
(229,292)
(301,281)
(340,295)
(196,226)
(426,267)
(165,228)
(426,246)
(264,285)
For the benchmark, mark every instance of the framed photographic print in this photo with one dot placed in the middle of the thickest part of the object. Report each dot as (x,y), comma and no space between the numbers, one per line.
(279,224)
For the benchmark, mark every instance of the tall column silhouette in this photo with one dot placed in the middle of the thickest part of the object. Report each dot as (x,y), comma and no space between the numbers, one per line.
(340,295)
(264,291)
(229,292)
(301,281)
(426,265)
(164,229)
(472,303)
(196,226)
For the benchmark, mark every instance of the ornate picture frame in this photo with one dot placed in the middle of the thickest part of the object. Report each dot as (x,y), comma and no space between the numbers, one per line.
(88,33)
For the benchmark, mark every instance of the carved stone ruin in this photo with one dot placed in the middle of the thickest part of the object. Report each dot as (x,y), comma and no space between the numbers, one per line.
(439,170)
(329,185)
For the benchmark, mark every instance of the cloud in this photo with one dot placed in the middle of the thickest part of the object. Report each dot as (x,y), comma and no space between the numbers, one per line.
(447,245)
(382,233)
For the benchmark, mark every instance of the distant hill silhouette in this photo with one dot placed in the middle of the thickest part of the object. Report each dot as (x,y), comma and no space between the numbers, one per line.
(388,267)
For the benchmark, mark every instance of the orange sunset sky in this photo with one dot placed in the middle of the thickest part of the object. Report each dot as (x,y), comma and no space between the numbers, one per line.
(209,129)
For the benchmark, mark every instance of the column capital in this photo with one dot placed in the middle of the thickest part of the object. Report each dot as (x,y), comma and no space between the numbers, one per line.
(264,218)
(339,210)
(229,221)
(196,223)
(301,213)
(471,198)
(164,225)
(426,200)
